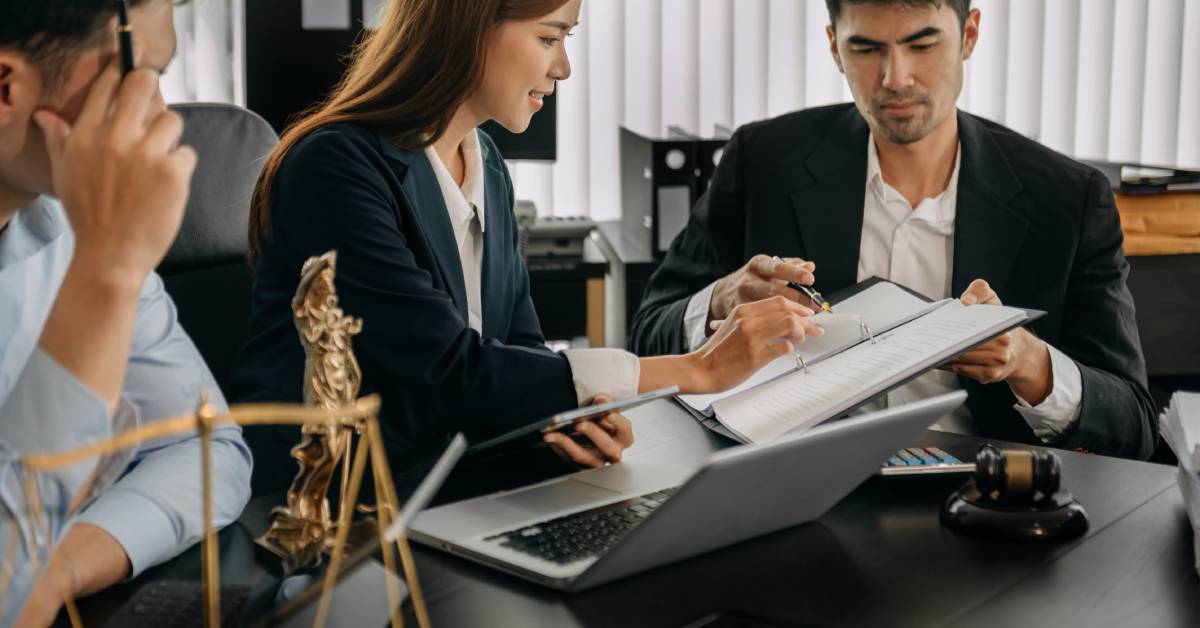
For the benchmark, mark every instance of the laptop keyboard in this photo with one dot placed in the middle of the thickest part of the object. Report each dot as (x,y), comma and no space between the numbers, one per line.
(584,534)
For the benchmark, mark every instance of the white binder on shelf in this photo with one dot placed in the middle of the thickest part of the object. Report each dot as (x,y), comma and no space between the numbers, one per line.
(880,338)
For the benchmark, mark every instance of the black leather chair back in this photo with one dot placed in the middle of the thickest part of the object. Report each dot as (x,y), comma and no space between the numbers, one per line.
(206,272)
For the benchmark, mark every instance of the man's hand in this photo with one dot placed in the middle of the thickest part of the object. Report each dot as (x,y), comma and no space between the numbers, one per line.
(86,561)
(607,438)
(123,180)
(761,278)
(121,175)
(1017,357)
(753,335)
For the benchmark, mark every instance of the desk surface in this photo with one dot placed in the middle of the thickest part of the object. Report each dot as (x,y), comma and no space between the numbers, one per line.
(879,557)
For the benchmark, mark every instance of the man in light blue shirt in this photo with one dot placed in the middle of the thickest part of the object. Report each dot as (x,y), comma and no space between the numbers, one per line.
(89,341)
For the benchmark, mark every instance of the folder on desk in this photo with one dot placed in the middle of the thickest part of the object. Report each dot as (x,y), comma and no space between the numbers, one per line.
(881,337)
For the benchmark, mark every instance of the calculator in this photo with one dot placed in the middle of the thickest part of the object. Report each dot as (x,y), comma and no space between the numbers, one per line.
(923,461)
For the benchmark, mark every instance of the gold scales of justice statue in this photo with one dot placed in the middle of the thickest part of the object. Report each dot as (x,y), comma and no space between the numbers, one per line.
(303,531)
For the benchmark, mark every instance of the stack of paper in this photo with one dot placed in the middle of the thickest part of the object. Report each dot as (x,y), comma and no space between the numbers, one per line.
(1180,425)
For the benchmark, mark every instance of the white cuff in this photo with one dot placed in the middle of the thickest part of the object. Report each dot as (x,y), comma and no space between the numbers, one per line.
(1061,408)
(696,317)
(609,371)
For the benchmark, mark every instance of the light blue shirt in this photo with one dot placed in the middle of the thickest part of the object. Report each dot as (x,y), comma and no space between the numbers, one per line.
(149,500)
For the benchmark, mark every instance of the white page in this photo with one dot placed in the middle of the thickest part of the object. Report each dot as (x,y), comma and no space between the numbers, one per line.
(880,307)
(1183,420)
(1189,419)
(800,400)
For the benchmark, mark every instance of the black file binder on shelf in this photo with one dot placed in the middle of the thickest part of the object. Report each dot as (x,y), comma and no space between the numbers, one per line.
(881,336)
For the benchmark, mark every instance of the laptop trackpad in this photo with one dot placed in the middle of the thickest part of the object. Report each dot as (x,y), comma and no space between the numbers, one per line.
(551,498)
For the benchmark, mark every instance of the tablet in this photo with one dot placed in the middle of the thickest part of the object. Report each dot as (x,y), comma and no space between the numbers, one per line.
(566,420)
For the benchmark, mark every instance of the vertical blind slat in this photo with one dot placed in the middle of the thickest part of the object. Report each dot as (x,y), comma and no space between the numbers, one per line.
(1094,79)
(680,64)
(785,57)
(987,96)
(1164,32)
(1060,41)
(822,80)
(572,189)
(716,64)
(534,181)
(606,94)
(1189,89)
(643,68)
(1023,93)
(749,62)
(1128,78)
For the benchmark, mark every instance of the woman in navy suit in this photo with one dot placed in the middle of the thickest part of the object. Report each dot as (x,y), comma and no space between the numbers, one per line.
(393,174)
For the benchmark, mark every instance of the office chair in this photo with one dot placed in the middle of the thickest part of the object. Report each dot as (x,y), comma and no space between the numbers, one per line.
(206,272)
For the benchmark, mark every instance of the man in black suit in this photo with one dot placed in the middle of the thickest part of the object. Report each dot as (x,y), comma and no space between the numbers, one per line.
(903,185)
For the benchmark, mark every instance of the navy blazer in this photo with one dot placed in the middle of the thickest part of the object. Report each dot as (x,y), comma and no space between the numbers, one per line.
(345,188)
(1041,228)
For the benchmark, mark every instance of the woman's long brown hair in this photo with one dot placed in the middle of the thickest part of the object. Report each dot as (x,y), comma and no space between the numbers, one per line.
(406,80)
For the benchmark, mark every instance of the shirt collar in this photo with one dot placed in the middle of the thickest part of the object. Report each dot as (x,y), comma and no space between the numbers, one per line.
(31,230)
(875,176)
(473,183)
(472,190)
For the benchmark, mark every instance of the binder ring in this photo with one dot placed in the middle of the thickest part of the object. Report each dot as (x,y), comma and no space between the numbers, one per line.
(801,364)
(866,330)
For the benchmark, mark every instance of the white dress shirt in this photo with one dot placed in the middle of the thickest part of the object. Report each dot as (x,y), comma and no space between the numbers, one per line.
(148,499)
(594,371)
(915,248)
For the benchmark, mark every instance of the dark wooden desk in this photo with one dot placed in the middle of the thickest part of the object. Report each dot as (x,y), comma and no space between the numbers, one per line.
(878,558)
(1137,572)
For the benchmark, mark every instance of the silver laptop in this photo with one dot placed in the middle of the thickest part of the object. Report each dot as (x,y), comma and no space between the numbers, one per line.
(585,529)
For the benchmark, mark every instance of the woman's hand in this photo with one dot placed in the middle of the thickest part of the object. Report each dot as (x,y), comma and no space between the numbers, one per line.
(753,335)
(607,438)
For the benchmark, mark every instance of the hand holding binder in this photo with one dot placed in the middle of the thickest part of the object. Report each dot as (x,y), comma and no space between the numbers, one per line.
(1018,357)
(825,379)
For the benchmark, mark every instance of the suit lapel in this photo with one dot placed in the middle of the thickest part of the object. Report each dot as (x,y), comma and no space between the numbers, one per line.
(988,232)
(829,203)
(495,249)
(424,195)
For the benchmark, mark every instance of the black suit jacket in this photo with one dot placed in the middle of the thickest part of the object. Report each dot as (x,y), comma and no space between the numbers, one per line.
(348,189)
(1040,228)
